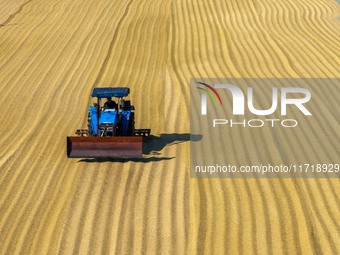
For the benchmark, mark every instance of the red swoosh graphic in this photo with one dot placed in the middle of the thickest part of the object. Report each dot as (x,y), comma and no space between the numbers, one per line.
(212,89)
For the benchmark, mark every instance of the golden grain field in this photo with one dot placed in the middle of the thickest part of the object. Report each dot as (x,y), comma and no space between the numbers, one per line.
(54,52)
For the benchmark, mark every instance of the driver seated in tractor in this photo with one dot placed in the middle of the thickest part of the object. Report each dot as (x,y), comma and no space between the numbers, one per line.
(110,104)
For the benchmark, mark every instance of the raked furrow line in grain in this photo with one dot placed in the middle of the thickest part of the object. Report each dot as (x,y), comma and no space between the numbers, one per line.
(52,54)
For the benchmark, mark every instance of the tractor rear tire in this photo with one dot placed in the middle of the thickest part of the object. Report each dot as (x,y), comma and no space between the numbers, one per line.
(131,127)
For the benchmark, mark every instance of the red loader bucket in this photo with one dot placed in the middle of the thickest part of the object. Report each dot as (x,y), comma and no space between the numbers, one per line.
(104,147)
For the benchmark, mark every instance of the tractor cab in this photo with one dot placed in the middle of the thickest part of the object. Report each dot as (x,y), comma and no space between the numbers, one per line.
(112,121)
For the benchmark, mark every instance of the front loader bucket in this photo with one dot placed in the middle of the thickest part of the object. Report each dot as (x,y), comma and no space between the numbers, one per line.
(104,147)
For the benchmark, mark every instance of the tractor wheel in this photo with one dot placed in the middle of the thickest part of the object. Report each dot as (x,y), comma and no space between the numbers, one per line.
(89,127)
(131,127)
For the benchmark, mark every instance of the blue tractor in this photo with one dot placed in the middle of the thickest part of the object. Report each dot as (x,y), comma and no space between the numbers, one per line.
(111,128)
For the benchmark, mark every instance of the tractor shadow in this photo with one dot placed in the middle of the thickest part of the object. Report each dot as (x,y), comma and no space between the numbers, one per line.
(152,147)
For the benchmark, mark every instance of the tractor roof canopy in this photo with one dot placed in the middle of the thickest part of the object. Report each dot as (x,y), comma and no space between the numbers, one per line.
(110,92)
